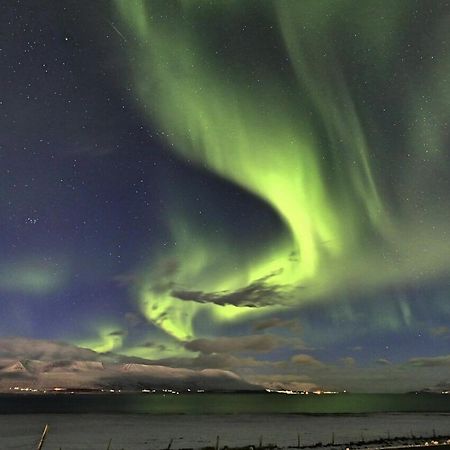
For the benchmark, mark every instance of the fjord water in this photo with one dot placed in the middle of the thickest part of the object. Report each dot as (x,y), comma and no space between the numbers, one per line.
(213,403)
(152,421)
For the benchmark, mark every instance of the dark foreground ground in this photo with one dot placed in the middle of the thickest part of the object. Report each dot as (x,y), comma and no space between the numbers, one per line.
(184,431)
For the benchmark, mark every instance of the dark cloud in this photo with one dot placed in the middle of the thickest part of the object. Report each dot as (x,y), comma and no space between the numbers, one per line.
(117,333)
(252,343)
(154,345)
(276,322)
(256,294)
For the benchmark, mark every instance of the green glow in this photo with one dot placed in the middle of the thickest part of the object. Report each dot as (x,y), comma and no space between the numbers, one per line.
(206,265)
(294,140)
(165,349)
(106,339)
(259,137)
(32,277)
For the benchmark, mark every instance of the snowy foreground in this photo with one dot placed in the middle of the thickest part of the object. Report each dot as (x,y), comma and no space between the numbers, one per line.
(143,432)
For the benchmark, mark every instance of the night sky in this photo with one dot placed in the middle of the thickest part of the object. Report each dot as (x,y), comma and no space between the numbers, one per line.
(256,186)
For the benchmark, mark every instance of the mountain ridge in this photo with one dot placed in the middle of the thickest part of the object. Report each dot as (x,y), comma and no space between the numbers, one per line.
(42,364)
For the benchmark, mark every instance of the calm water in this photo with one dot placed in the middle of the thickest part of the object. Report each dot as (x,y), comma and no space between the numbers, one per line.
(194,404)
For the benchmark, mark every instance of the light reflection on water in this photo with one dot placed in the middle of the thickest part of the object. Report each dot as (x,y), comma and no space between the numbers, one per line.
(209,403)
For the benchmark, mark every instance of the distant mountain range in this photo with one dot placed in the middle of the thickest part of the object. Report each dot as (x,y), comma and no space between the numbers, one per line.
(70,374)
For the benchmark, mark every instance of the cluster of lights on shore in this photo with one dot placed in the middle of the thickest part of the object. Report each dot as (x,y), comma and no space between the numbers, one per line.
(166,391)
(290,392)
(172,391)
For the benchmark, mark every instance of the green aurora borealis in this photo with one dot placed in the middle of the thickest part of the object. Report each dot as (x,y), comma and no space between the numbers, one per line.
(295,137)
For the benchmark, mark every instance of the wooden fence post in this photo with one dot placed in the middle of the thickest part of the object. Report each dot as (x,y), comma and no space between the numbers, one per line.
(43,436)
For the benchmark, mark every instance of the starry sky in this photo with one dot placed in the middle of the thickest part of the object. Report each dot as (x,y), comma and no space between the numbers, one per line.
(256,186)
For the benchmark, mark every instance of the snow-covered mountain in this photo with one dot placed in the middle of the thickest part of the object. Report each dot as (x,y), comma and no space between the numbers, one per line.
(98,372)
(13,367)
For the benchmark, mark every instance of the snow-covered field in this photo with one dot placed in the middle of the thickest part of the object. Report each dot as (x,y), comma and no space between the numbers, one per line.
(144,432)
